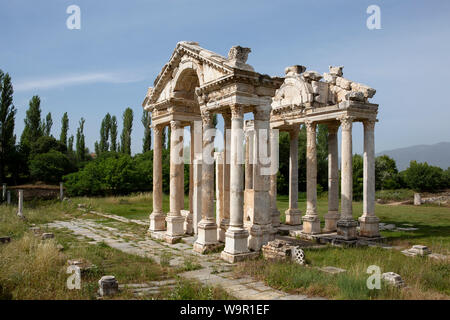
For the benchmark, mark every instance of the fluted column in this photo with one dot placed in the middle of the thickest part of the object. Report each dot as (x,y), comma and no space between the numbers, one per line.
(180,169)
(236,236)
(207,228)
(332,216)
(189,227)
(293,214)
(346,226)
(311,222)
(273,178)
(249,142)
(368,221)
(157,218)
(226,176)
(261,230)
(219,195)
(175,222)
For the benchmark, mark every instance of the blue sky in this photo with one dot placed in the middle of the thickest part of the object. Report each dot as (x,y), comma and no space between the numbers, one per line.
(122,45)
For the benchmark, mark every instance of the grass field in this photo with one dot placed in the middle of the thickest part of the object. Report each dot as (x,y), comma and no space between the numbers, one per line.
(32,269)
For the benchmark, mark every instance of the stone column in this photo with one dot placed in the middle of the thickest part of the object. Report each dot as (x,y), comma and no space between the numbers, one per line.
(175,222)
(236,236)
(207,228)
(273,179)
(226,174)
(332,216)
(180,168)
(157,218)
(219,195)
(197,194)
(368,221)
(293,214)
(61,191)
(261,230)
(20,204)
(249,141)
(189,228)
(8,197)
(346,226)
(3,191)
(311,222)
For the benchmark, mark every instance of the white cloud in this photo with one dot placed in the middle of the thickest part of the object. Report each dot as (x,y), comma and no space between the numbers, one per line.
(49,82)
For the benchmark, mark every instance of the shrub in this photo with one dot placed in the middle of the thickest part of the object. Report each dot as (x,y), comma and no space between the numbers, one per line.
(50,167)
(386,173)
(423,177)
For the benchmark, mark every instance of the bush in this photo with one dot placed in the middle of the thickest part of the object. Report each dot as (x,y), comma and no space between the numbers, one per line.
(50,167)
(386,173)
(423,177)
(111,174)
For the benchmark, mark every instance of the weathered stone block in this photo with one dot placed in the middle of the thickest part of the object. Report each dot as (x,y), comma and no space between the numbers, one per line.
(108,286)
(393,278)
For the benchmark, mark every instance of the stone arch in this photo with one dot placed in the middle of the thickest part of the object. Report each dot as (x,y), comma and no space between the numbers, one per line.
(186,78)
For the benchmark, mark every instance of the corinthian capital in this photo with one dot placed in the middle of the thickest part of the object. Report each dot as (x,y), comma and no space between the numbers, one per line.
(174,124)
(346,122)
(236,111)
(262,112)
(369,124)
(310,125)
(157,129)
(207,118)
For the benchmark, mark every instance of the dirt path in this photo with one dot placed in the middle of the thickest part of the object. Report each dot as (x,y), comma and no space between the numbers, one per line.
(214,271)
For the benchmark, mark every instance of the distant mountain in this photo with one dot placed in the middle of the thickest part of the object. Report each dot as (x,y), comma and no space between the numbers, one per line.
(435,154)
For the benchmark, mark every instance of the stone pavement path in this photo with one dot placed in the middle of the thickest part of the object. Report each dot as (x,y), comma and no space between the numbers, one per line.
(214,271)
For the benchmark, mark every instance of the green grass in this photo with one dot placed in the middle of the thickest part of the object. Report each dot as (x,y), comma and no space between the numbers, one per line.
(193,290)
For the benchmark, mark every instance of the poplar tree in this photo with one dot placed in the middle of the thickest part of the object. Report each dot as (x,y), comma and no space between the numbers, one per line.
(33,129)
(64,128)
(7,121)
(81,147)
(147,140)
(125,145)
(47,128)
(113,145)
(103,145)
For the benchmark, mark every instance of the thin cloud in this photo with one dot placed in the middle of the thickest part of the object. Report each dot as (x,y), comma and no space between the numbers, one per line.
(50,82)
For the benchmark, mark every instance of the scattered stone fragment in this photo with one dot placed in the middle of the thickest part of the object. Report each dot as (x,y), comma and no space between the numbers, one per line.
(84,265)
(390,227)
(406,229)
(108,286)
(36,230)
(417,250)
(47,235)
(298,255)
(393,278)
(5,239)
(332,270)
(60,247)
(417,199)
(81,206)
(277,250)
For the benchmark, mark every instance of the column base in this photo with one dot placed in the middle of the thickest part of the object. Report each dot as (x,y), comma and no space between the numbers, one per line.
(157,222)
(311,224)
(233,258)
(189,223)
(207,237)
(236,241)
(293,217)
(275,217)
(259,235)
(331,219)
(222,229)
(175,226)
(347,229)
(369,226)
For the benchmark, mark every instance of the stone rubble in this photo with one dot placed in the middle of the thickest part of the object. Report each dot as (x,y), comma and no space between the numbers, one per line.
(417,250)
(393,279)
